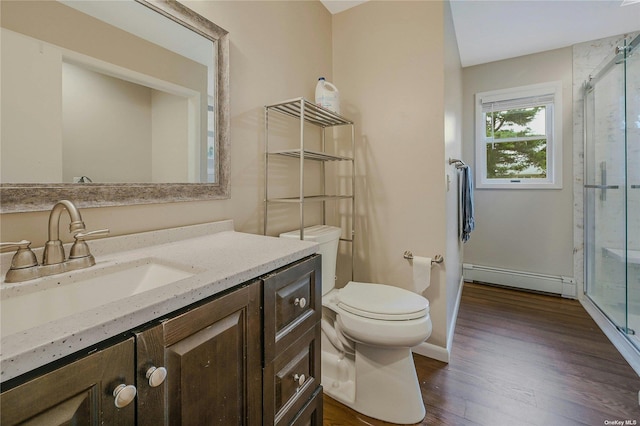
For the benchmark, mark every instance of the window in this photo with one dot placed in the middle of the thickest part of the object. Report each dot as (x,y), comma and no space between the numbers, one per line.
(518,137)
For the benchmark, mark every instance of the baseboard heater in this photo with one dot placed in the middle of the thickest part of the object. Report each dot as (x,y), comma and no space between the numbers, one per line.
(556,284)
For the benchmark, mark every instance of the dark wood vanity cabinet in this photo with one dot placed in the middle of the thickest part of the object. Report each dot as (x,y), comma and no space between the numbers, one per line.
(247,357)
(212,356)
(79,393)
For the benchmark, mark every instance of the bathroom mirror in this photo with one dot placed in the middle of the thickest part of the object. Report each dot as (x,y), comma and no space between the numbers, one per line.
(70,69)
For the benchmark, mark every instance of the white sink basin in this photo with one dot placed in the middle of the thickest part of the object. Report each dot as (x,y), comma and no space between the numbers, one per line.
(32,303)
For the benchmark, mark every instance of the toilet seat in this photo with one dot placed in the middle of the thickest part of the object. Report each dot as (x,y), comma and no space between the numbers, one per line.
(381,302)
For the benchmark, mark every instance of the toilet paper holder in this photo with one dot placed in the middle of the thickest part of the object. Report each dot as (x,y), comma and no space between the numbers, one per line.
(437,259)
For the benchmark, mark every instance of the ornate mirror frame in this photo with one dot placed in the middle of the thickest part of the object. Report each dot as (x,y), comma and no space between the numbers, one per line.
(16,197)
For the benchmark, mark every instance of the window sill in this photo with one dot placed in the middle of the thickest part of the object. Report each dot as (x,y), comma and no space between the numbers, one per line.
(517,185)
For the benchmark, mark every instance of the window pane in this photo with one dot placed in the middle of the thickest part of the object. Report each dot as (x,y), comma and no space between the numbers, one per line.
(516,123)
(517,160)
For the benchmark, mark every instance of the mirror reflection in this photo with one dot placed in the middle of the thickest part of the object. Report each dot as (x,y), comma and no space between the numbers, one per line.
(103,92)
(129,93)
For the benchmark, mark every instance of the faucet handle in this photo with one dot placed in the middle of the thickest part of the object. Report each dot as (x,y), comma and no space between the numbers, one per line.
(80,249)
(19,244)
(89,235)
(24,257)
(24,265)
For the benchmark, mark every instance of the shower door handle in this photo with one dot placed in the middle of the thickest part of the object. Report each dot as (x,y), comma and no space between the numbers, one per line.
(603,194)
(603,180)
(635,186)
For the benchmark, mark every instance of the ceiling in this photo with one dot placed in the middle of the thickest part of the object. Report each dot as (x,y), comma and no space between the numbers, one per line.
(491,30)
(337,6)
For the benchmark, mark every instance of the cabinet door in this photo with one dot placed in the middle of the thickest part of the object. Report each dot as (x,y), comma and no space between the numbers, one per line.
(212,357)
(79,393)
(151,399)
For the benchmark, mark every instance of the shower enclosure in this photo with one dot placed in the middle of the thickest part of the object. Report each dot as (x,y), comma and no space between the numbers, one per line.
(612,188)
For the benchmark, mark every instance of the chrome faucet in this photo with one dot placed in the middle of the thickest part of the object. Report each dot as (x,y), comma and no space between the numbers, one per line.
(24,265)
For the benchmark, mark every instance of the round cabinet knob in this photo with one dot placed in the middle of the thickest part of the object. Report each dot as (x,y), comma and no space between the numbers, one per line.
(300,301)
(300,378)
(124,394)
(156,376)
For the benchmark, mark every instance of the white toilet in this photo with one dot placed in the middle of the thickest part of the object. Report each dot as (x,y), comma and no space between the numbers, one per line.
(367,334)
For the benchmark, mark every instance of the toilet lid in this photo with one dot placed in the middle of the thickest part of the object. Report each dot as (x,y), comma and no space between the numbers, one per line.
(385,302)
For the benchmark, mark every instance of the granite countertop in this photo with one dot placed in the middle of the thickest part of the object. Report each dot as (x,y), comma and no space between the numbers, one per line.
(220,258)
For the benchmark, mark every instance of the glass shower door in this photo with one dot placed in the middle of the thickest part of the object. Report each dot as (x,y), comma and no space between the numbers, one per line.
(605,192)
(632,80)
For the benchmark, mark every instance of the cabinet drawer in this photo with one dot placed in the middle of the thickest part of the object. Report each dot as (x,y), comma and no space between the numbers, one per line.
(292,304)
(292,378)
(311,414)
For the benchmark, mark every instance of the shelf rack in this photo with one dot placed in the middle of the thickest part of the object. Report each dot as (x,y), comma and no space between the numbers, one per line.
(307,112)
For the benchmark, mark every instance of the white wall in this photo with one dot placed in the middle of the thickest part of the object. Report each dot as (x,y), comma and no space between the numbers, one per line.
(525,230)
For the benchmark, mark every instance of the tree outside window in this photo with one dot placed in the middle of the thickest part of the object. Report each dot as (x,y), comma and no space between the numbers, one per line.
(516,143)
(519,137)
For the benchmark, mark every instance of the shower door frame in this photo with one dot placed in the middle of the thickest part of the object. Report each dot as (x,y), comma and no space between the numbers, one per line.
(621,56)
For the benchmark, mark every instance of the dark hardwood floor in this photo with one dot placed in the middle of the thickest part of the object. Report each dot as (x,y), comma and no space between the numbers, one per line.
(521,359)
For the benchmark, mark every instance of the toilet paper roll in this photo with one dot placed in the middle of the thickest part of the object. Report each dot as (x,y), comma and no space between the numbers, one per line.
(421,273)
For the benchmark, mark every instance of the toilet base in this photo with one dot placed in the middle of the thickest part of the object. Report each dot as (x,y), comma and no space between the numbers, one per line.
(381,383)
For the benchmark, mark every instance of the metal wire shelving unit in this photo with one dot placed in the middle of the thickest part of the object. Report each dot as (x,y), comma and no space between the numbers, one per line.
(307,112)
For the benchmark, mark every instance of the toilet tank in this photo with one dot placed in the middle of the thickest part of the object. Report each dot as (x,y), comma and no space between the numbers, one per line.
(328,238)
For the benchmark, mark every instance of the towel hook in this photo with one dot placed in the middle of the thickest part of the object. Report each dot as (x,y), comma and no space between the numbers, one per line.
(437,259)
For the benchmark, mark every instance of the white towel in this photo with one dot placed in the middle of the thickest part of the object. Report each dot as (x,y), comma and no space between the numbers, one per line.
(421,273)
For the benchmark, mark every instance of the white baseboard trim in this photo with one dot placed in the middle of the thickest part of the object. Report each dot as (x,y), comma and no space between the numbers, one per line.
(556,284)
(432,351)
(626,348)
(438,352)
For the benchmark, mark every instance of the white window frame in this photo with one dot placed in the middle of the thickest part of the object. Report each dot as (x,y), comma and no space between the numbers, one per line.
(544,94)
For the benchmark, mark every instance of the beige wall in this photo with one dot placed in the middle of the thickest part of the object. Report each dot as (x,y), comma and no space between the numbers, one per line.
(172,159)
(388,65)
(525,230)
(92,145)
(278,49)
(34,96)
